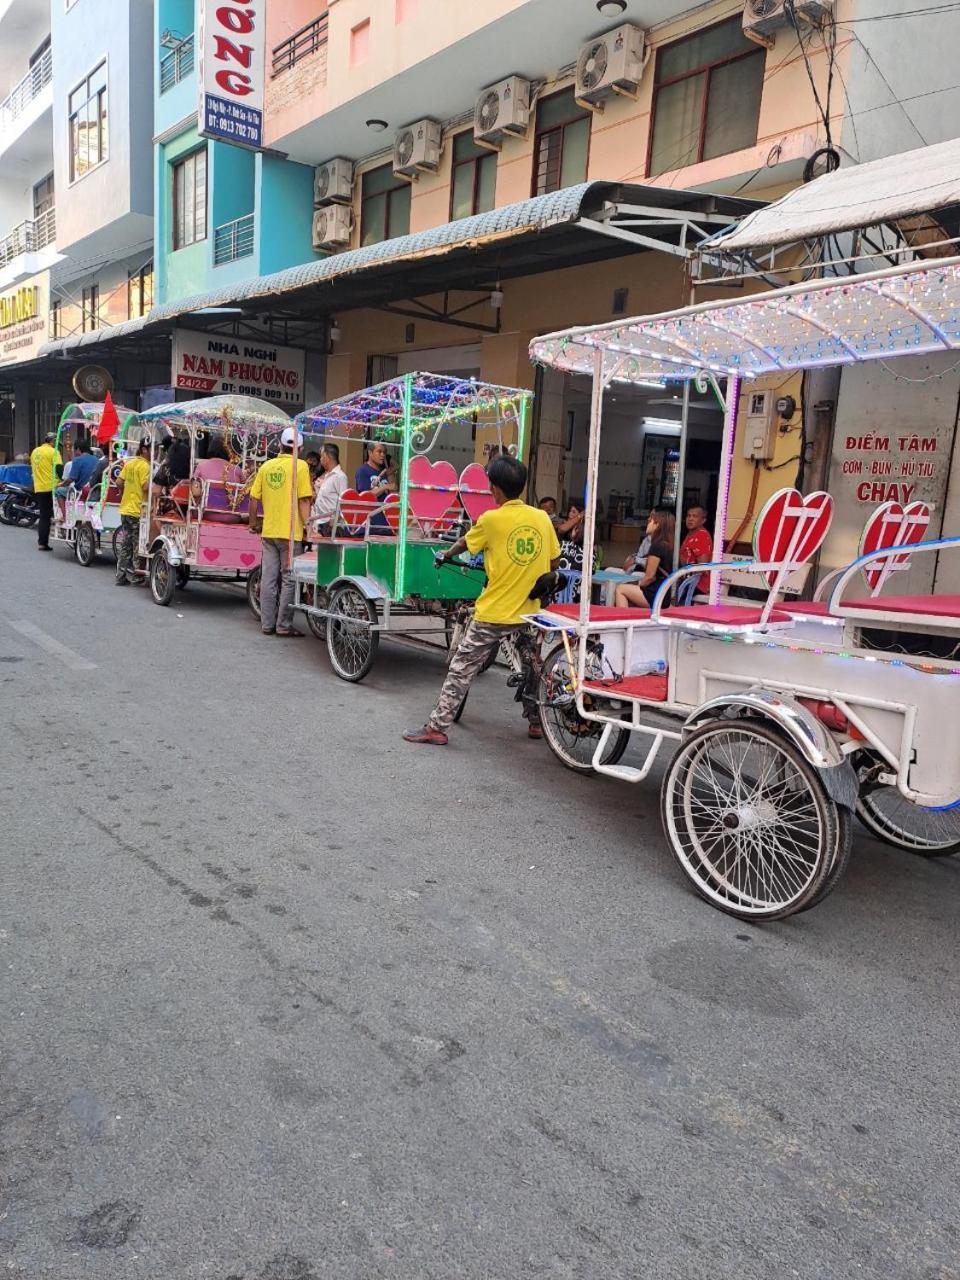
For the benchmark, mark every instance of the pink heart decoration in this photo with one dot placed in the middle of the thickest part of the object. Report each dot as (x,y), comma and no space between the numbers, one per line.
(791,527)
(892,525)
(355,508)
(475,491)
(433,492)
(391,510)
(247,558)
(210,554)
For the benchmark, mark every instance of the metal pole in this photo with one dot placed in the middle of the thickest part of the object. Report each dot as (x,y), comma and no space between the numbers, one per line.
(681,475)
(400,562)
(726,466)
(590,525)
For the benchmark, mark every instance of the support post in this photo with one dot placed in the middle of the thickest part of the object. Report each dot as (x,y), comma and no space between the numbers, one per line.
(590,524)
(723,492)
(681,474)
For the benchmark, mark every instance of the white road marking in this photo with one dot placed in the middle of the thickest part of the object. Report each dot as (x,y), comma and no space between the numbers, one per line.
(69,658)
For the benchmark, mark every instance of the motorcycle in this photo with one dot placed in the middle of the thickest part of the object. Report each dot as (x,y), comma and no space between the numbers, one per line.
(18,505)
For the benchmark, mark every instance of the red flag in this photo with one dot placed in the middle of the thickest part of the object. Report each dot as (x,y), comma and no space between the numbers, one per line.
(109,422)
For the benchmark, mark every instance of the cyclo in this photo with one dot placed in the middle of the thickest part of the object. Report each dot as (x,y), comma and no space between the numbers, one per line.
(786,718)
(377,575)
(82,519)
(197,529)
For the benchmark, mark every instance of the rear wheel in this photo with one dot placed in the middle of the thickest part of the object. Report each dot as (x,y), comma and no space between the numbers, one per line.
(86,545)
(571,738)
(253,590)
(351,641)
(115,543)
(893,819)
(183,576)
(318,626)
(163,579)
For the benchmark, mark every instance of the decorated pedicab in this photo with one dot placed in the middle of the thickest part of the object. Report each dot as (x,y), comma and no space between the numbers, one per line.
(785,719)
(197,527)
(377,574)
(85,519)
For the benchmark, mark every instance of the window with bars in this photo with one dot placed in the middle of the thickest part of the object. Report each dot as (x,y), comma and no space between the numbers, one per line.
(43,196)
(706,98)
(190,199)
(89,138)
(90,308)
(561,144)
(384,206)
(473,185)
(140,291)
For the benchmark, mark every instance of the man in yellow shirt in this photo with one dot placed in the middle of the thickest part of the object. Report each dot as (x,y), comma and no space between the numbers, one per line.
(133,482)
(519,545)
(271,491)
(44,462)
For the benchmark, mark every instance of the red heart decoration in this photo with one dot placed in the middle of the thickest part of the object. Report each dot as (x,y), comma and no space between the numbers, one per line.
(210,554)
(475,491)
(247,558)
(433,492)
(391,510)
(892,525)
(791,528)
(355,508)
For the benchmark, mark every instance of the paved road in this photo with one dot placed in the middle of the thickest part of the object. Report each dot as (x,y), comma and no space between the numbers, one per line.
(283,998)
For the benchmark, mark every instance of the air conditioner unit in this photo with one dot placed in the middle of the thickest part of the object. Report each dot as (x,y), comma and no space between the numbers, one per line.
(333,182)
(612,63)
(502,109)
(417,148)
(332,226)
(813,12)
(763,18)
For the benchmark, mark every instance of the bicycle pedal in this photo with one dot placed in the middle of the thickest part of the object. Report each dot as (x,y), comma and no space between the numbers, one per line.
(514,680)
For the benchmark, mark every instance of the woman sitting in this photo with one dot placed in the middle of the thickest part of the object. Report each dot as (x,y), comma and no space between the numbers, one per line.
(661,528)
(222,481)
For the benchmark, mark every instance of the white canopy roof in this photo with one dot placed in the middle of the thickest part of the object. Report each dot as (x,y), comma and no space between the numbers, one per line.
(904,310)
(858,196)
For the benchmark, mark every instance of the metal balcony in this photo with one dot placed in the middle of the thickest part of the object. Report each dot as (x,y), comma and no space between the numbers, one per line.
(177,64)
(309,39)
(29,237)
(233,240)
(29,88)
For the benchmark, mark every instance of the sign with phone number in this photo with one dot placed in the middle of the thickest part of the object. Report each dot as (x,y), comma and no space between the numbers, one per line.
(232,122)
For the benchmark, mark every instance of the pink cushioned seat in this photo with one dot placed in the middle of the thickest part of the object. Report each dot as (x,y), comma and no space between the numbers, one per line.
(651,688)
(723,615)
(811,608)
(945,606)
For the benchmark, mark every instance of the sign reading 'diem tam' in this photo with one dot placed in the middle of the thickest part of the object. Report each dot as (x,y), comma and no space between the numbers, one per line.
(232,50)
(213,365)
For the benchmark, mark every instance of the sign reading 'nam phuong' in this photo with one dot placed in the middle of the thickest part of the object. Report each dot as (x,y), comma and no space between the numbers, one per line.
(211,365)
(232,51)
(24,319)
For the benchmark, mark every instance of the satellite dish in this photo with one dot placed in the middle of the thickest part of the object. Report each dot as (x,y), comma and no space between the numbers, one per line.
(91,383)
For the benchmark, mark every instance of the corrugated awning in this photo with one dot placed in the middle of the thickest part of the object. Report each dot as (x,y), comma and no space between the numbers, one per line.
(863,195)
(905,310)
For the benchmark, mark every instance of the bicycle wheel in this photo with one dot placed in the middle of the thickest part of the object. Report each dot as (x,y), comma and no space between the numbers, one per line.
(571,738)
(893,819)
(351,641)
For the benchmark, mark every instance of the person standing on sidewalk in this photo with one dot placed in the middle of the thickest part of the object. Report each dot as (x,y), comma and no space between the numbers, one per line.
(44,461)
(272,491)
(519,545)
(132,482)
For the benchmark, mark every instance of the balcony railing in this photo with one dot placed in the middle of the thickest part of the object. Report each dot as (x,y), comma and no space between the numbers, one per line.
(233,240)
(28,237)
(30,87)
(177,64)
(300,45)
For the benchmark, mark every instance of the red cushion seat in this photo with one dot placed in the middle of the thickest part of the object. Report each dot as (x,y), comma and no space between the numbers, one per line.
(723,615)
(808,608)
(599,613)
(945,606)
(651,688)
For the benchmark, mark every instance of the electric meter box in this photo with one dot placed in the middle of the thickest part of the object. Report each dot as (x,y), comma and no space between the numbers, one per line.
(760,424)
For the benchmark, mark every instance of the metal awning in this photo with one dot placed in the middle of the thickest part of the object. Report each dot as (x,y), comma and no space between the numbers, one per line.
(903,310)
(862,195)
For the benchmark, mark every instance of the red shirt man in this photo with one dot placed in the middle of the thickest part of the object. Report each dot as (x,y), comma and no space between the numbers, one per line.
(697,546)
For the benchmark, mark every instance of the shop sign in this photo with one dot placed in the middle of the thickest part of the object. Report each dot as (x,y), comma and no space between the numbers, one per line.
(24,319)
(209,364)
(232,43)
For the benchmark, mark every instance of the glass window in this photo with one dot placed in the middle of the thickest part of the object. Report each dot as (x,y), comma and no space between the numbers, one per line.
(91,308)
(190,199)
(384,206)
(140,291)
(706,97)
(87,106)
(562,143)
(474,181)
(56,318)
(43,196)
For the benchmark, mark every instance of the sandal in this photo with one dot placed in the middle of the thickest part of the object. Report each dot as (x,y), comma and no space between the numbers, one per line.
(289,635)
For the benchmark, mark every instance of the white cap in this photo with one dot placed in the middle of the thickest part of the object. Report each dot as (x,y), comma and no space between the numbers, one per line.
(287,438)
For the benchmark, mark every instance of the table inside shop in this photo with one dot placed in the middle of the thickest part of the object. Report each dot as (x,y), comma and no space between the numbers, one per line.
(609,579)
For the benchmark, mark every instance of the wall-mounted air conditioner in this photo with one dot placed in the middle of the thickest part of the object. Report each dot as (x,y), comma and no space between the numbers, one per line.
(333,182)
(417,148)
(612,63)
(332,226)
(502,109)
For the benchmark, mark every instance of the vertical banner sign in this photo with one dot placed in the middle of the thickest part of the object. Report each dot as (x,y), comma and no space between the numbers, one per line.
(232,51)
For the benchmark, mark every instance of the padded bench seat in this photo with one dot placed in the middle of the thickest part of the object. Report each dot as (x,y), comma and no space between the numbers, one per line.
(945,606)
(719,615)
(651,688)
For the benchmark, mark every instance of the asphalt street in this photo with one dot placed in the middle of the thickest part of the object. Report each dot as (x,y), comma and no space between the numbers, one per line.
(285,998)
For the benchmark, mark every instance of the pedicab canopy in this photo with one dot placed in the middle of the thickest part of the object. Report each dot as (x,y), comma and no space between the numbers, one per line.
(88,414)
(219,413)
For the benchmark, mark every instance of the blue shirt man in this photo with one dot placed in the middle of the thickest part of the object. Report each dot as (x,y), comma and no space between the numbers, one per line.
(367,480)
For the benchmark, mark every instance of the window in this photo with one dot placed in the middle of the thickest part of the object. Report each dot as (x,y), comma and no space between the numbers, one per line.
(190,199)
(384,206)
(43,196)
(140,291)
(474,182)
(561,144)
(88,123)
(706,99)
(56,319)
(91,308)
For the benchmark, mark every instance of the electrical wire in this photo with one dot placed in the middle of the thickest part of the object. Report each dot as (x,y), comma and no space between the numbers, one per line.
(896,99)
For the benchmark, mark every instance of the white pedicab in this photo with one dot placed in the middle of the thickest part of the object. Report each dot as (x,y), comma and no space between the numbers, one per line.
(786,719)
(84,519)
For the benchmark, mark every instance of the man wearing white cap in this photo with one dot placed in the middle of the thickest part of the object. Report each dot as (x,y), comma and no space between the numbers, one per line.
(272,493)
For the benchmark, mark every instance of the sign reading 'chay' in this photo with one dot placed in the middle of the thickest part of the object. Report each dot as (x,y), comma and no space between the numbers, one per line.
(232,51)
(24,319)
(209,364)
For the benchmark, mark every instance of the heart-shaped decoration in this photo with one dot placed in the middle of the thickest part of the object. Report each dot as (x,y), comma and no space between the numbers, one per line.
(210,554)
(356,508)
(475,491)
(791,528)
(391,510)
(434,493)
(248,559)
(892,525)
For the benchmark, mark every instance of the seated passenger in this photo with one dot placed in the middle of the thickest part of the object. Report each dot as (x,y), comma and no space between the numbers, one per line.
(219,472)
(661,528)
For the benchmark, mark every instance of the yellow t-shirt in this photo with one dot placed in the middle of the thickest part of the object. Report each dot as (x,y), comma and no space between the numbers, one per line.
(135,476)
(42,461)
(518,542)
(271,486)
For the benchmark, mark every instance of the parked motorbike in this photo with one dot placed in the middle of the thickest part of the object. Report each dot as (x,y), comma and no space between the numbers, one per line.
(18,505)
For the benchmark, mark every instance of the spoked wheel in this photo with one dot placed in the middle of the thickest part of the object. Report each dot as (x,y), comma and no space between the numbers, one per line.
(253,590)
(318,626)
(163,579)
(86,545)
(183,576)
(115,543)
(892,818)
(572,739)
(750,822)
(351,641)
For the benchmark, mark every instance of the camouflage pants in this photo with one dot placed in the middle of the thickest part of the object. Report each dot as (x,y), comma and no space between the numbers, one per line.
(480,640)
(126,545)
